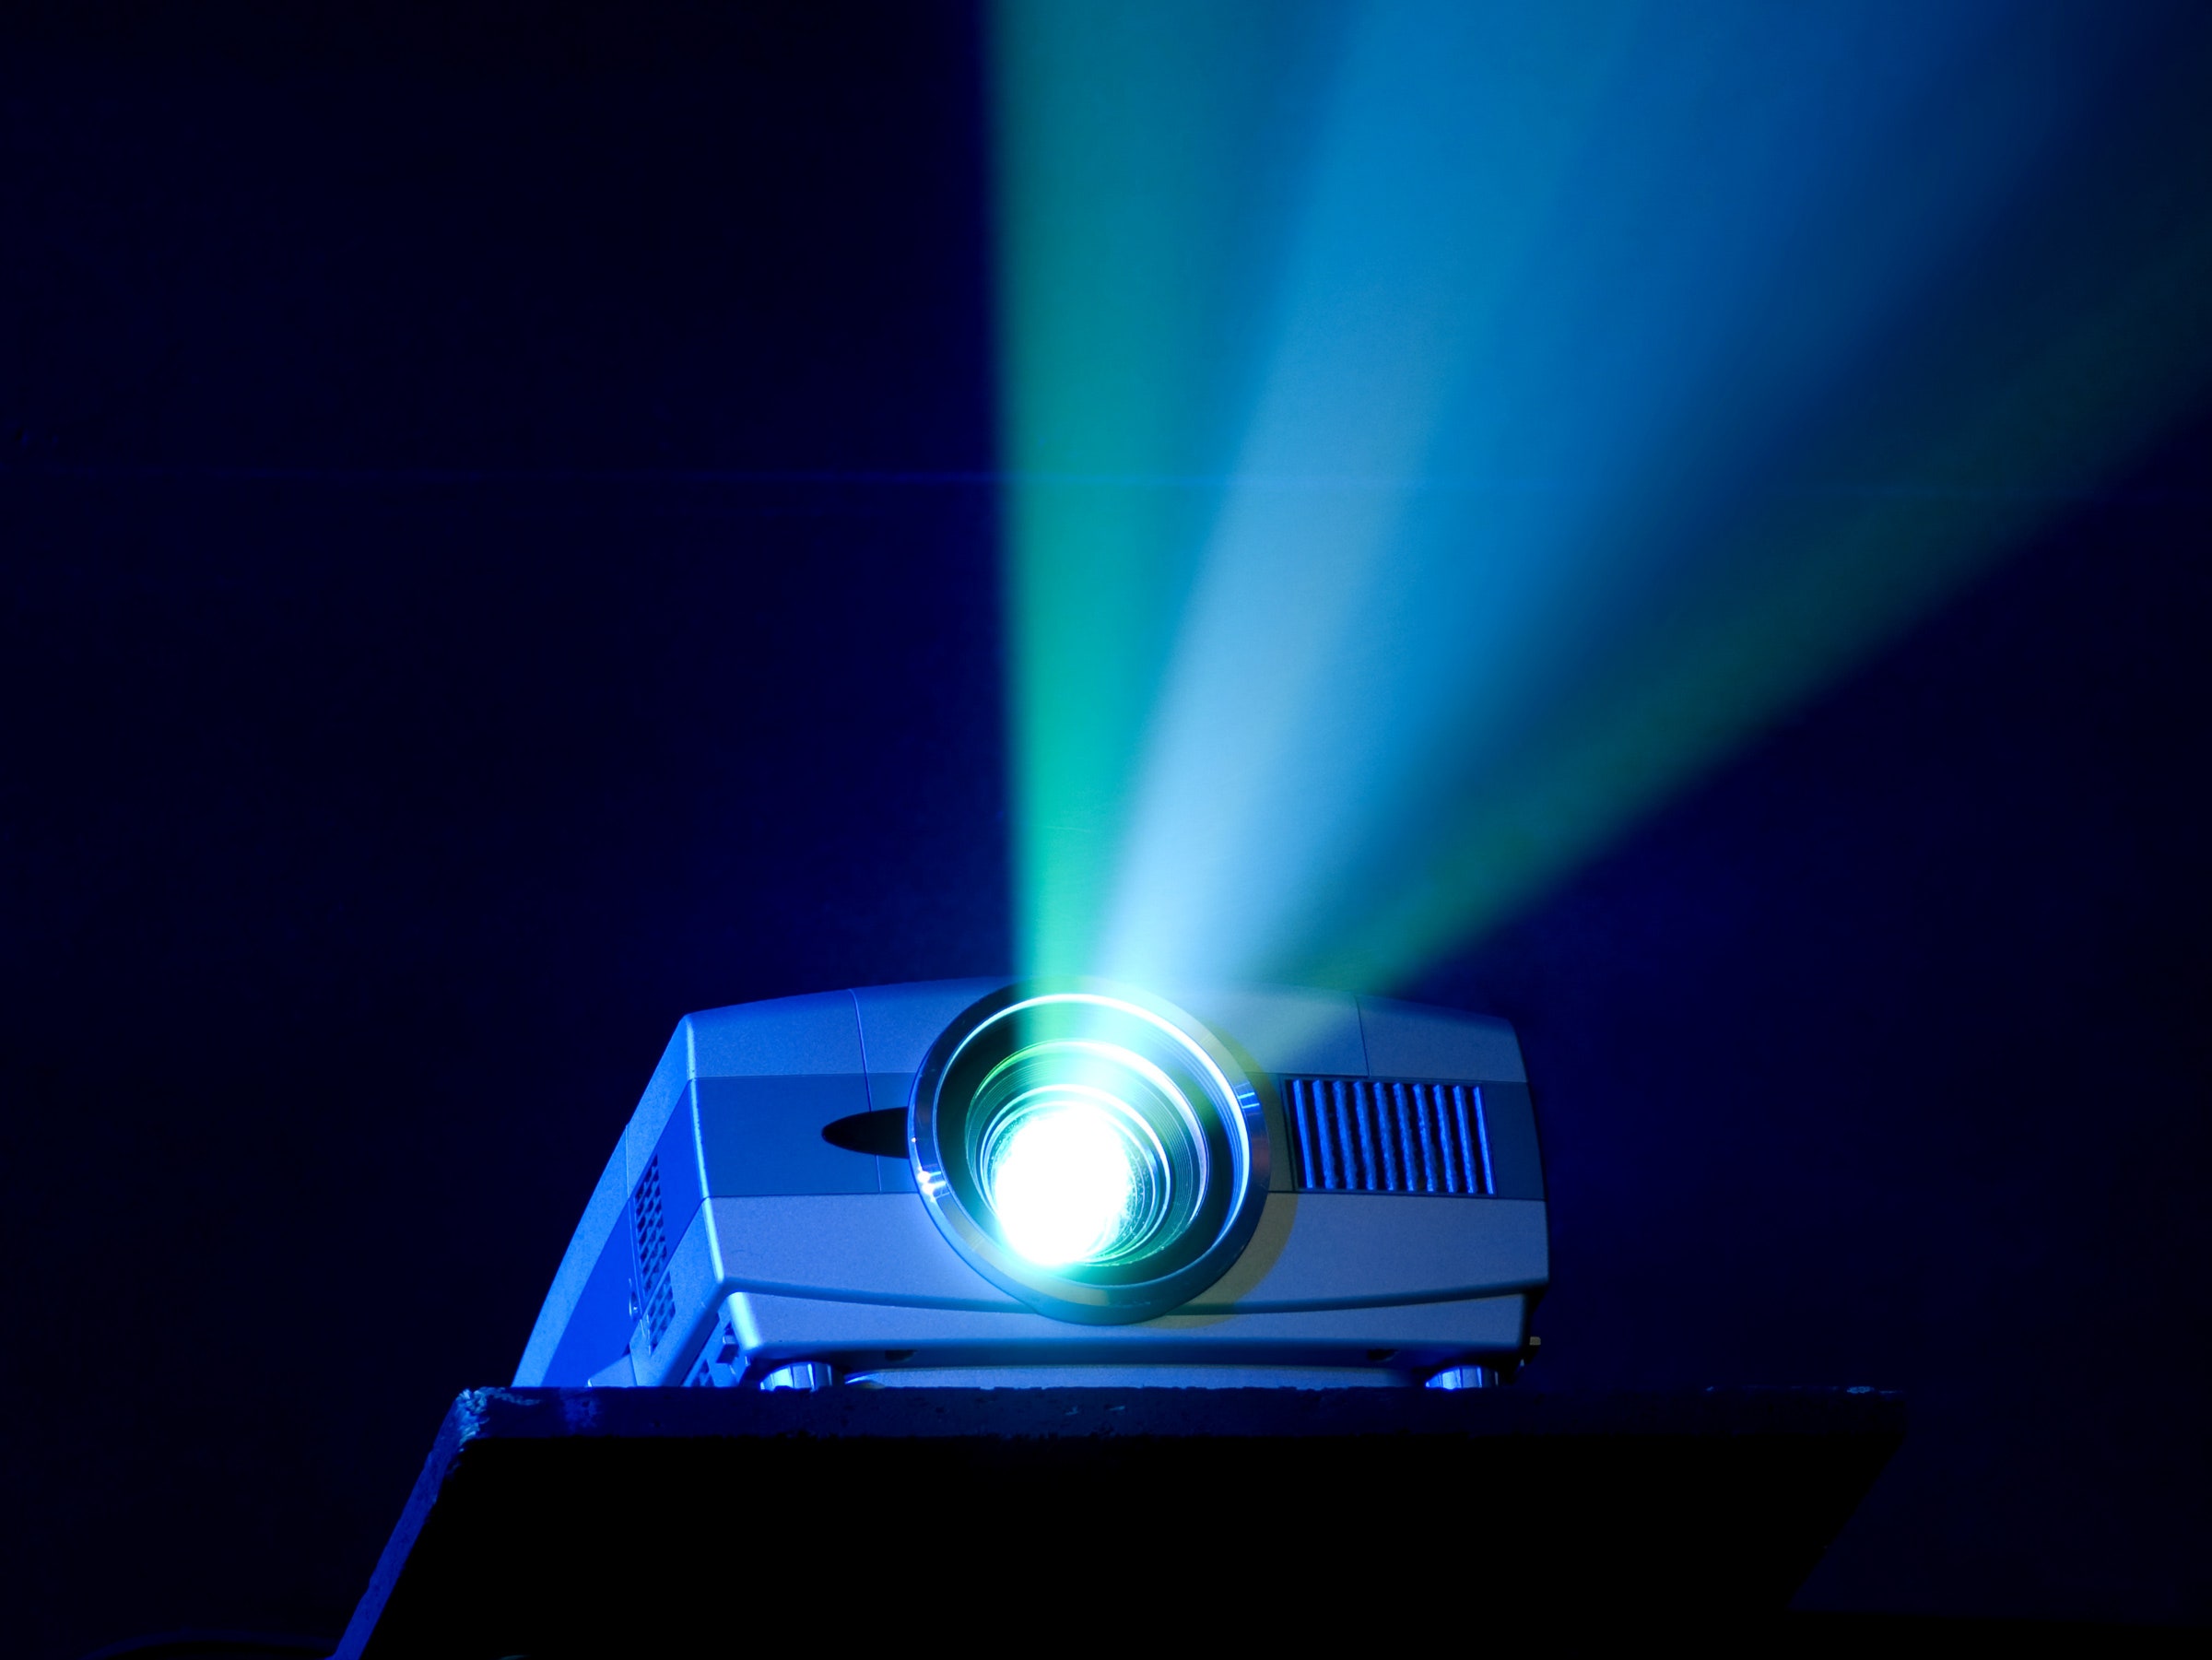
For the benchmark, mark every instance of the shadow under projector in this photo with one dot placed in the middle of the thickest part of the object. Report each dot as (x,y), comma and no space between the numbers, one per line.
(985,1182)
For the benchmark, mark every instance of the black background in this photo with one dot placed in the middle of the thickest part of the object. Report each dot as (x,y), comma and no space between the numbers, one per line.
(499,551)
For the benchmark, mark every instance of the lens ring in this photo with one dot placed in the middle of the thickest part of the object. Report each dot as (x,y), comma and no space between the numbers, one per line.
(1139,1148)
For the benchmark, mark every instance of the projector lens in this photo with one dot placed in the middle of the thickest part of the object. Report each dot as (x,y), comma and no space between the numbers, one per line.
(1096,1154)
(1073,1178)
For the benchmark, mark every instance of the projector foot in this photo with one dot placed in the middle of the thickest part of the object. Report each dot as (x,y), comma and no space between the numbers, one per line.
(1468,1377)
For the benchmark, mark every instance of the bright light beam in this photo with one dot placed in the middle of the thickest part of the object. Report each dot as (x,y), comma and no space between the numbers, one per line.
(1149,163)
(1608,380)
(1063,1182)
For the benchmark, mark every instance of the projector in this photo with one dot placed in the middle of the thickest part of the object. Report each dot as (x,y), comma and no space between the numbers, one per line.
(986,1184)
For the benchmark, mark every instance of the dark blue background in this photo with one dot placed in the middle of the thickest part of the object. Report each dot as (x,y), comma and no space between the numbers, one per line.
(497,554)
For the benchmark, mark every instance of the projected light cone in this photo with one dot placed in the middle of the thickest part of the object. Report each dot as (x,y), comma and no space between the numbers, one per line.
(1073,1179)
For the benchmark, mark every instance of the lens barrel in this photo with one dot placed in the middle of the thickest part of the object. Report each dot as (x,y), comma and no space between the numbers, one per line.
(1093,1150)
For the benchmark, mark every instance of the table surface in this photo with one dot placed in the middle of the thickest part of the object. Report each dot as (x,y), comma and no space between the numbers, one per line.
(557,1521)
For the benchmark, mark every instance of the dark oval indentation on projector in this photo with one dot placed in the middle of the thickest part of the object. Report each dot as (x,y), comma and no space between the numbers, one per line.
(882,1133)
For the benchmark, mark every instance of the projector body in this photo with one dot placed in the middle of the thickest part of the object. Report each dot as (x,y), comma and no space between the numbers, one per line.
(788,1206)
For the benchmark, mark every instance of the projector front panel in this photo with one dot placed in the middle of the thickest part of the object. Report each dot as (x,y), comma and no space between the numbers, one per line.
(795,1249)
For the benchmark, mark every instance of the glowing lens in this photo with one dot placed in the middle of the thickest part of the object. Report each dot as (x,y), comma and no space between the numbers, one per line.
(1070,1181)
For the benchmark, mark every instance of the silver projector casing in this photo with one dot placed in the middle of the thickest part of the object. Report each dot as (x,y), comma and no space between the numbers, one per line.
(728,1244)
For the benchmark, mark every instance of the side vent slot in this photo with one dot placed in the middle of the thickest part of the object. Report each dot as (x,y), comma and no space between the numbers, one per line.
(1358,1134)
(649,1223)
(659,1313)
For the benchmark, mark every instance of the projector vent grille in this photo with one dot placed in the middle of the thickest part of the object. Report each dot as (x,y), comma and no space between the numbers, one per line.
(659,1313)
(652,1225)
(1357,1135)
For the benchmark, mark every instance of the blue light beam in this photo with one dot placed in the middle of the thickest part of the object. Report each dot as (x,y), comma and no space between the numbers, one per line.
(1623,374)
